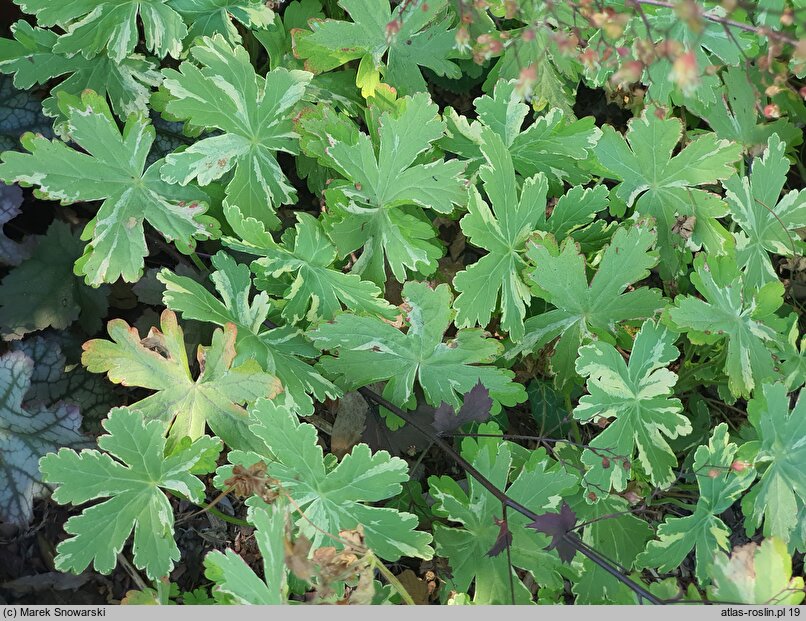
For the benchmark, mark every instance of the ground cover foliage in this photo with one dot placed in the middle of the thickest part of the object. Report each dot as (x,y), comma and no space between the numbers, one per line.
(429,301)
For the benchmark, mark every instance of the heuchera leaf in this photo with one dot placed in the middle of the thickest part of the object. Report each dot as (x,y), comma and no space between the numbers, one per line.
(779,497)
(131,474)
(235,580)
(769,225)
(159,362)
(476,516)
(756,574)
(44,292)
(20,112)
(279,351)
(727,314)
(370,350)
(111,170)
(665,187)
(703,530)
(11,252)
(221,90)
(53,379)
(318,289)
(587,310)
(638,395)
(378,206)
(26,434)
(333,499)
(424,39)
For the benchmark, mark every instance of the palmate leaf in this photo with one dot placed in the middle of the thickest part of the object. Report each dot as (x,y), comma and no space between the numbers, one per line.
(703,530)
(318,290)
(553,144)
(769,225)
(503,232)
(159,362)
(617,534)
(279,350)
(30,57)
(26,434)
(110,26)
(424,39)
(583,310)
(665,187)
(727,314)
(638,396)
(756,574)
(333,499)
(112,170)
(378,206)
(539,485)
(210,17)
(221,90)
(734,115)
(779,497)
(369,350)
(131,474)
(235,580)
(43,292)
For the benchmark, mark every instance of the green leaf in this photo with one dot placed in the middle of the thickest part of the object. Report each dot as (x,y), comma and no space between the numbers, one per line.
(424,39)
(540,485)
(26,434)
(616,534)
(208,17)
(370,350)
(727,314)
(638,395)
(779,497)
(503,232)
(111,170)
(734,115)
(318,290)
(769,224)
(378,206)
(278,350)
(43,292)
(665,187)
(110,26)
(333,499)
(756,574)
(134,488)
(222,91)
(584,311)
(236,580)
(31,58)
(553,144)
(160,363)
(720,486)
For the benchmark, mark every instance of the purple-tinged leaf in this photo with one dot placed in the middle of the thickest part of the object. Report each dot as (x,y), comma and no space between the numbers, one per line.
(11,252)
(556,526)
(504,539)
(476,407)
